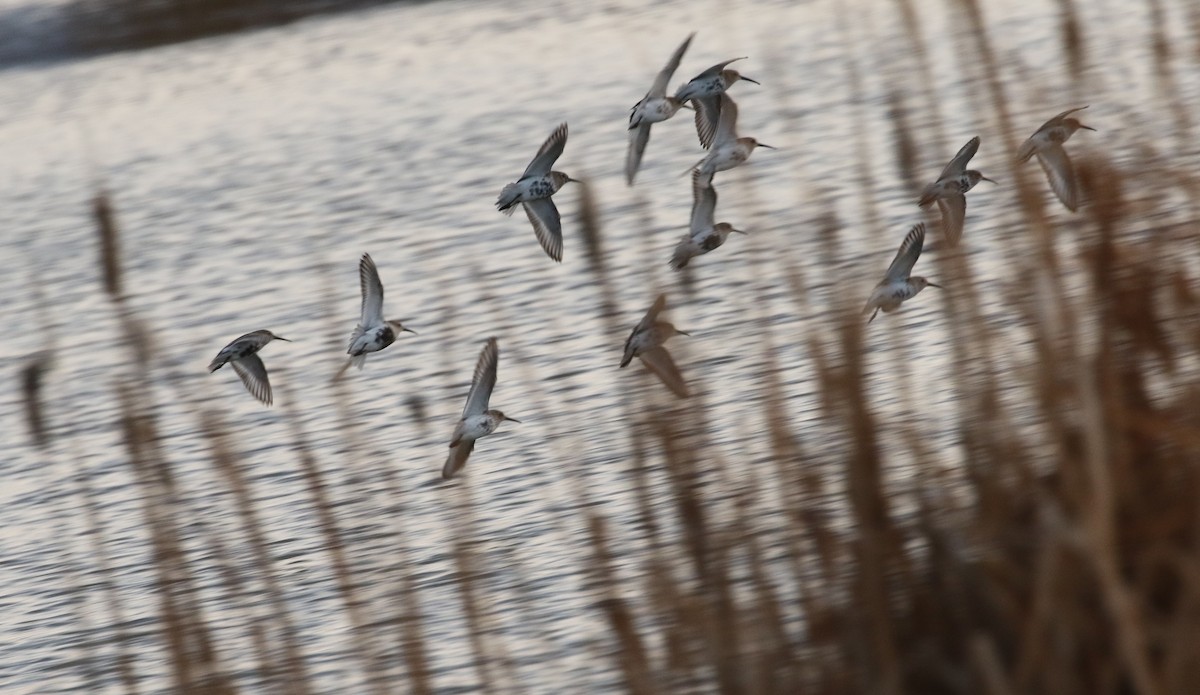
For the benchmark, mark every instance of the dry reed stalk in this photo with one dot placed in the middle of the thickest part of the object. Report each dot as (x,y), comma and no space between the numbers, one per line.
(323,504)
(194,663)
(124,659)
(110,248)
(631,652)
(293,670)
(466,563)
(31,397)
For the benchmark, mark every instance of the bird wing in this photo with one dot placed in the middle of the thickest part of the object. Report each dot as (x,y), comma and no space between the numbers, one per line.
(959,164)
(254,375)
(954,211)
(659,361)
(906,257)
(659,88)
(716,69)
(484,380)
(372,292)
(727,124)
(1058,168)
(1027,149)
(1059,118)
(704,202)
(457,458)
(647,321)
(651,317)
(546,225)
(708,115)
(548,153)
(638,137)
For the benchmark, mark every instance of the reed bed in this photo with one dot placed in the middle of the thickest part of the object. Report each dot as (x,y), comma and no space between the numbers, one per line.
(1061,556)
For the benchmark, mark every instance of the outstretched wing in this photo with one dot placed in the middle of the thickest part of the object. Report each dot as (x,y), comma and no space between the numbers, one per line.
(1058,169)
(547,225)
(1059,118)
(548,153)
(954,211)
(638,137)
(457,458)
(716,69)
(704,202)
(484,380)
(906,257)
(372,292)
(254,375)
(959,164)
(651,317)
(708,115)
(659,361)
(727,125)
(659,88)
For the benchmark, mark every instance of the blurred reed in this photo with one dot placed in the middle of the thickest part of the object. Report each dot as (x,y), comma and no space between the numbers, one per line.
(1062,556)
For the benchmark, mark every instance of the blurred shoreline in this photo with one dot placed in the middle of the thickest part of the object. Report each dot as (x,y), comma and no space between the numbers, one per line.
(73,29)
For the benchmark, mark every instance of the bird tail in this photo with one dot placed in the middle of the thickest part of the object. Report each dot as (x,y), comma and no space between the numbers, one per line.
(509,197)
(680,258)
(356,360)
(693,168)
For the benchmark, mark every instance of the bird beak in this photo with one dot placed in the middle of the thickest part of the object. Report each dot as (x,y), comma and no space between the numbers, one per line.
(737,230)
(683,333)
(512,419)
(933,285)
(751,80)
(279,337)
(984,178)
(408,330)
(1087,127)
(769,147)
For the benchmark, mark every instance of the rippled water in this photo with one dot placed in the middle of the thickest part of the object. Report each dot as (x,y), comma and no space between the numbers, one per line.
(250,171)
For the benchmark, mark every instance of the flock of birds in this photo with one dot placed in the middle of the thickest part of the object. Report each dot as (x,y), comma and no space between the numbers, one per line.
(716,127)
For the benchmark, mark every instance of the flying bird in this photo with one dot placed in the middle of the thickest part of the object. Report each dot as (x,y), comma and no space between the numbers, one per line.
(705,90)
(242,353)
(897,285)
(533,191)
(1047,144)
(477,421)
(703,234)
(655,107)
(728,150)
(646,342)
(949,191)
(372,333)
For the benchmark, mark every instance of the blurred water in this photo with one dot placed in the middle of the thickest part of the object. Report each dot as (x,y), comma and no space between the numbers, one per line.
(249,172)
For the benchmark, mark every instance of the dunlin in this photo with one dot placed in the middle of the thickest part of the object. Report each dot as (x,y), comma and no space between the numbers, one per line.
(242,353)
(1047,144)
(373,333)
(949,191)
(704,89)
(646,341)
(897,285)
(728,150)
(703,234)
(655,107)
(533,191)
(477,421)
